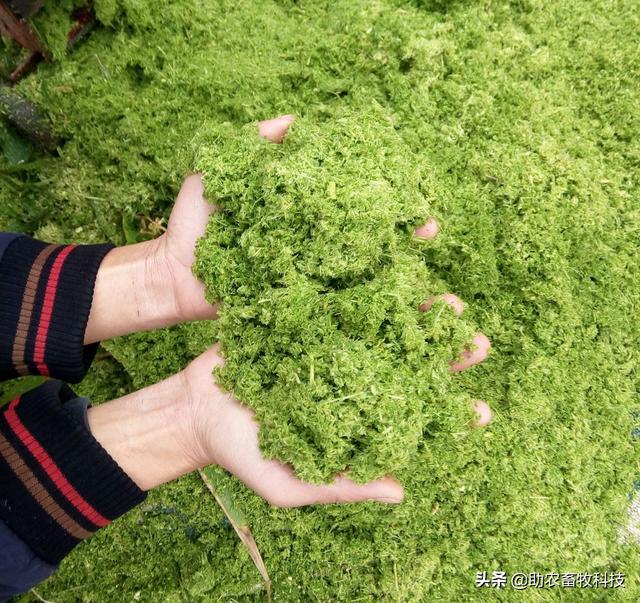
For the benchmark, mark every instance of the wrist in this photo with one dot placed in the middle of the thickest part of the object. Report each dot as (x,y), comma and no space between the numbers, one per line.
(149,433)
(132,293)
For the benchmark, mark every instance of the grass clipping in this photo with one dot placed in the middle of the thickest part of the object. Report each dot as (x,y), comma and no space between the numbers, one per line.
(313,256)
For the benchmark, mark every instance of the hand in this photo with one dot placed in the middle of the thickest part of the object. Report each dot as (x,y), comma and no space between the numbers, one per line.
(187,223)
(187,422)
(150,285)
(478,348)
(226,434)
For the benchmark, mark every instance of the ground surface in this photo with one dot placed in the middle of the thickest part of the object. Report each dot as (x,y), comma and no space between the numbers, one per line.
(527,114)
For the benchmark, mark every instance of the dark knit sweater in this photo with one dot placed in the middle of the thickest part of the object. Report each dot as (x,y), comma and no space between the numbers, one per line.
(57,484)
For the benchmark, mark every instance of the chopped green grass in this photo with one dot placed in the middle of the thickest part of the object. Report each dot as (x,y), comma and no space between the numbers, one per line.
(526,117)
(320,277)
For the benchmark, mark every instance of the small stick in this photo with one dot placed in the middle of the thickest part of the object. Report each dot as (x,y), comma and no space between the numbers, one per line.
(27,118)
(237,520)
(20,30)
(33,591)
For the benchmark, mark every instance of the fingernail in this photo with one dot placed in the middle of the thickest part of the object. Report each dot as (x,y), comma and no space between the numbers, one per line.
(483,411)
(429,230)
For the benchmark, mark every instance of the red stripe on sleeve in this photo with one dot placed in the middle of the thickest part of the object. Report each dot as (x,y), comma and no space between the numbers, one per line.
(47,310)
(50,467)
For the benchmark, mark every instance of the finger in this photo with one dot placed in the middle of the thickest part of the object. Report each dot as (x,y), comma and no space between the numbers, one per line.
(281,488)
(275,129)
(191,210)
(469,357)
(429,230)
(449,298)
(344,490)
(483,412)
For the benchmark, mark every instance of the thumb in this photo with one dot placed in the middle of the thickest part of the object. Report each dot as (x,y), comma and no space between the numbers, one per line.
(189,216)
(191,211)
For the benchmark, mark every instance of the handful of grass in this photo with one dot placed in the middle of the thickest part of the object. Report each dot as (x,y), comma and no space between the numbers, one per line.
(320,276)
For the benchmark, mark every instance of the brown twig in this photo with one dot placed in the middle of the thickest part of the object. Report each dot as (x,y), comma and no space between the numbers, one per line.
(27,118)
(18,29)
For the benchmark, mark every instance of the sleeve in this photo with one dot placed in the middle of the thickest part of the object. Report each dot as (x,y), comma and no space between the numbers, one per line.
(20,569)
(58,485)
(45,298)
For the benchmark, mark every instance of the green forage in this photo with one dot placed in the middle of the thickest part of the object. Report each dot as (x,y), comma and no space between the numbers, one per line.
(320,276)
(520,119)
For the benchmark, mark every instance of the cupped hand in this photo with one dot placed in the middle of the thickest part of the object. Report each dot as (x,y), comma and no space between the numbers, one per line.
(225,433)
(156,434)
(187,223)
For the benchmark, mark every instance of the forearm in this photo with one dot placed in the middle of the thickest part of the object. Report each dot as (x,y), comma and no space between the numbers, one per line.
(57,299)
(132,293)
(59,485)
(65,474)
(148,432)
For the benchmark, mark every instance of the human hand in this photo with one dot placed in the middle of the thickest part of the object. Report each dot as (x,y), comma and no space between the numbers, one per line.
(150,285)
(206,424)
(175,249)
(188,421)
(224,432)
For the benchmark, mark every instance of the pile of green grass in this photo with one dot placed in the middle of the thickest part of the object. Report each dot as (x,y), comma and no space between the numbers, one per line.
(313,257)
(526,118)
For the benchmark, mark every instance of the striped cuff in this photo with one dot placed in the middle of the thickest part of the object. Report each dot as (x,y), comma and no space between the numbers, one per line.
(57,484)
(45,298)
